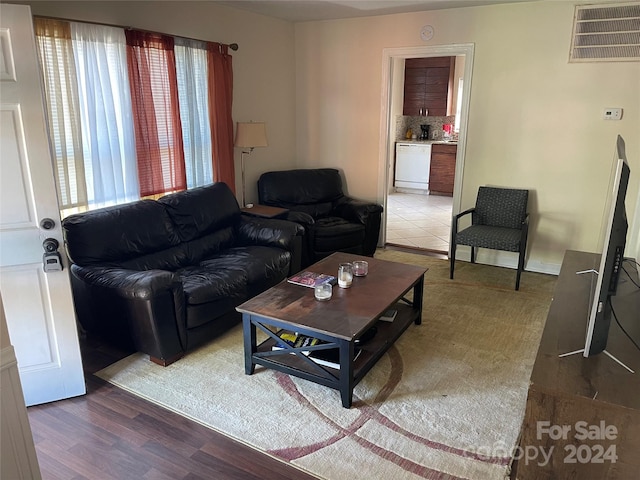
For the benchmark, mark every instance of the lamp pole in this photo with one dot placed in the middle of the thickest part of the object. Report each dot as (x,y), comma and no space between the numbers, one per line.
(244,201)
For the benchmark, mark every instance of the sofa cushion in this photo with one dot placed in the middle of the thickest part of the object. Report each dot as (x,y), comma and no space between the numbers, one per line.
(120,233)
(259,263)
(201,210)
(202,284)
(210,317)
(211,293)
(332,233)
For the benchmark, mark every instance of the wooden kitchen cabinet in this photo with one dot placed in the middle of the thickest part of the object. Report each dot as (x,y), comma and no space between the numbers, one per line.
(443,169)
(428,86)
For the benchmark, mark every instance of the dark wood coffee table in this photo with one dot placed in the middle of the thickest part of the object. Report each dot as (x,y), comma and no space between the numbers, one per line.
(340,321)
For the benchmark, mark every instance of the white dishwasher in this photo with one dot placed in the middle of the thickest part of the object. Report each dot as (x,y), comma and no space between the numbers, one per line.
(413,161)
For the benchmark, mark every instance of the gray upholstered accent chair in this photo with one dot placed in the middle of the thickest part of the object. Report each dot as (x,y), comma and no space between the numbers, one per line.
(499,221)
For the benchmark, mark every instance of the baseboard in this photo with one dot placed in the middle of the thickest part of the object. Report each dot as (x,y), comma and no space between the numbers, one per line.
(541,267)
(498,258)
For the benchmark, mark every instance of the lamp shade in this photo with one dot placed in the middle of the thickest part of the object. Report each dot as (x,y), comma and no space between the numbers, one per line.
(250,135)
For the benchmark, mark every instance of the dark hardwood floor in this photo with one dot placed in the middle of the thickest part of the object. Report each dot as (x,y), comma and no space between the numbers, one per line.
(111,434)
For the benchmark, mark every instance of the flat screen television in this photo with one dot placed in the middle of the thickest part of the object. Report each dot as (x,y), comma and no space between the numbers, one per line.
(612,244)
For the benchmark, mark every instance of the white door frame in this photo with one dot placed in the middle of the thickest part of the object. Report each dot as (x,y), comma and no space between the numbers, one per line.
(387,139)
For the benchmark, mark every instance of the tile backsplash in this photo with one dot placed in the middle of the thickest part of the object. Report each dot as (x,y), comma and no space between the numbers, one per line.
(403,123)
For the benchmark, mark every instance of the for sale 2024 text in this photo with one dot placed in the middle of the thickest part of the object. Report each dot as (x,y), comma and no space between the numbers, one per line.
(580,431)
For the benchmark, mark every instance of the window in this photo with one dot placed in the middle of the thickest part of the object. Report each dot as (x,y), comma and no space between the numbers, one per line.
(456,127)
(58,69)
(130,113)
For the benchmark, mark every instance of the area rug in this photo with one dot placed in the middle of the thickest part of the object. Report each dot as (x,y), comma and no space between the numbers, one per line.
(445,402)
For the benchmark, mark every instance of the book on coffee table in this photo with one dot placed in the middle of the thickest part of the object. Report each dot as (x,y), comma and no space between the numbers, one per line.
(295,340)
(329,357)
(389,315)
(311,279)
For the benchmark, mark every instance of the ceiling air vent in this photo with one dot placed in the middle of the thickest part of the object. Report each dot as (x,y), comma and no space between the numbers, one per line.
(606,33)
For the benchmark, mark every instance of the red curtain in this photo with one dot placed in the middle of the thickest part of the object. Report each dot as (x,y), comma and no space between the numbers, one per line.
(154,96)
(220,98)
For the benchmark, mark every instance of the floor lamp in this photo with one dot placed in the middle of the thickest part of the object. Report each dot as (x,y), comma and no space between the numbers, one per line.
(249,135)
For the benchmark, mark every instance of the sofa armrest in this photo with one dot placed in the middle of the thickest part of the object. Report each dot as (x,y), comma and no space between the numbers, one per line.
(270,232)
(273,232)
(367,213)
(303,218)
(356,210)
(131,284)
(147,308)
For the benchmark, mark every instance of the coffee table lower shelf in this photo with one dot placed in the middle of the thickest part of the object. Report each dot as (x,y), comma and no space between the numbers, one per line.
(297,364)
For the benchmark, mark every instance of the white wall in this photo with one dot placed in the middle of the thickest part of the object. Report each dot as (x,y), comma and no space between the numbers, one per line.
(264,73)
(535,120)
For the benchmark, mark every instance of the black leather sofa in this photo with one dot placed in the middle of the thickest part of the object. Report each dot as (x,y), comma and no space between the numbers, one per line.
(333,221)
(162,277)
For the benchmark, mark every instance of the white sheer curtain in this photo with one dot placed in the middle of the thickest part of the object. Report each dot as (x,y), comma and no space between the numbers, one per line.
(106,114)
(191,69)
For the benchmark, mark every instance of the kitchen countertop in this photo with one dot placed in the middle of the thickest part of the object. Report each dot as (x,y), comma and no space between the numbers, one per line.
(427,142)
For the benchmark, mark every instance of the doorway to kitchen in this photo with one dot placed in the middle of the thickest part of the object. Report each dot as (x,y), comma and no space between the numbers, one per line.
(419,219)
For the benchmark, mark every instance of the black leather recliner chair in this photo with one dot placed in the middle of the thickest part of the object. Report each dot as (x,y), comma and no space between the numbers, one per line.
(162,277)
(333,221)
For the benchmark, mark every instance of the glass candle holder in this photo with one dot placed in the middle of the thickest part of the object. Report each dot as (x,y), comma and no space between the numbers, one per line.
(360,268)
(345,275)
(323,291)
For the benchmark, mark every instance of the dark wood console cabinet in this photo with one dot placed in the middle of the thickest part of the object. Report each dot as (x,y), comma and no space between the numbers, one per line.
(443,169)
(593,397)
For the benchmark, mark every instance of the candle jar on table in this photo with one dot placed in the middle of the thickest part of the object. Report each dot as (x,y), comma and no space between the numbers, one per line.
(323,291)
(345,275)
(360,268)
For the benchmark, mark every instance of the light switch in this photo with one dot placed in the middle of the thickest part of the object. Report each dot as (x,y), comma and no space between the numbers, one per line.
(612,113)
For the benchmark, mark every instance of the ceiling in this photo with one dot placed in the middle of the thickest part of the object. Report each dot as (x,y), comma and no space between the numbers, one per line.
(309,10)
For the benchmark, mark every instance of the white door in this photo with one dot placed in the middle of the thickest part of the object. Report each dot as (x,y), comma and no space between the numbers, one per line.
(38,305)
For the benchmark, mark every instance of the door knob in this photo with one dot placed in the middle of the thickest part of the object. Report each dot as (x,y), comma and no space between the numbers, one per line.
(47,223)
(50,245)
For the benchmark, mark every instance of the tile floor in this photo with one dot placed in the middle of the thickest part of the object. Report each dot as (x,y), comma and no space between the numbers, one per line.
(419,221)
